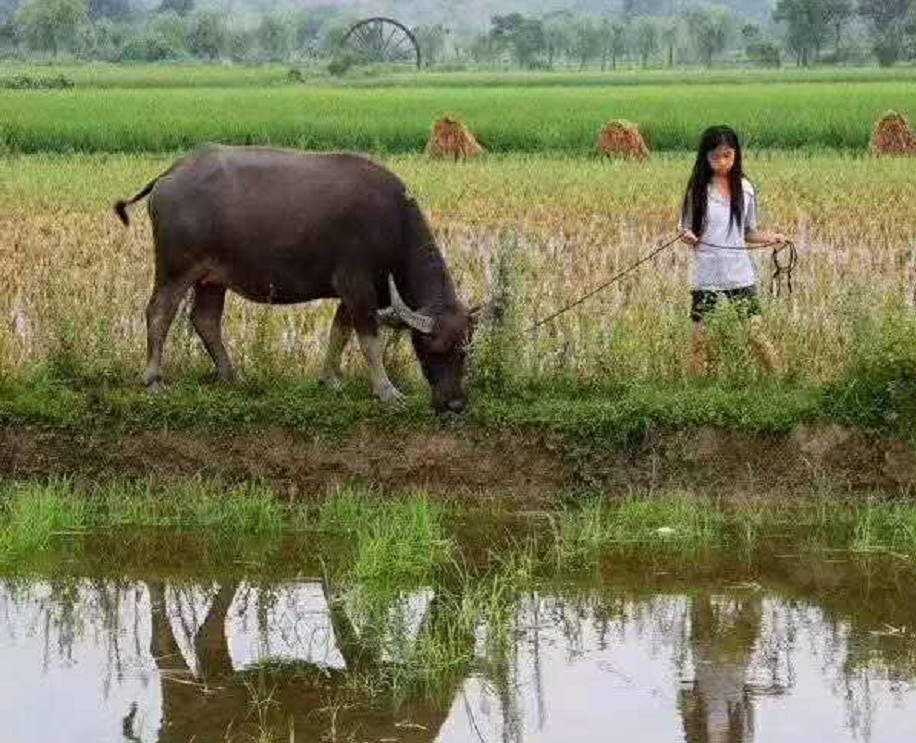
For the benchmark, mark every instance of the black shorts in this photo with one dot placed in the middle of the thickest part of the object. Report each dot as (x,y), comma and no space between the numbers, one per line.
(704,301)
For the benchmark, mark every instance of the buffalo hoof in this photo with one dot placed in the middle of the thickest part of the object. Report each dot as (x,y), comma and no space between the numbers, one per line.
(392,397)
(331,381)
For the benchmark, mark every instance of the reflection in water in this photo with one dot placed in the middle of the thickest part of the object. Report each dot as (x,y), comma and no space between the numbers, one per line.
(165,662)
(717,705)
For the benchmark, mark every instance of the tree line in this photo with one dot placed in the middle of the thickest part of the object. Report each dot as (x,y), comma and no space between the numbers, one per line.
(801,32)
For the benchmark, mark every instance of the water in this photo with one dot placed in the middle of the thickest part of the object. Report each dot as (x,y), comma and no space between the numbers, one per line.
(777,649)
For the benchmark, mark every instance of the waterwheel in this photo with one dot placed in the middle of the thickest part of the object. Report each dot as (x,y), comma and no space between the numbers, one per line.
(381,40)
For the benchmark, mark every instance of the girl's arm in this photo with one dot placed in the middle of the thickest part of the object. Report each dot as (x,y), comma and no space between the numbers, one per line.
(759,237)
(753,235)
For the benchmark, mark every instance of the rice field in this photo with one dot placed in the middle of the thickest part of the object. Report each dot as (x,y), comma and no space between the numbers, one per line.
(810,116)
(74,282)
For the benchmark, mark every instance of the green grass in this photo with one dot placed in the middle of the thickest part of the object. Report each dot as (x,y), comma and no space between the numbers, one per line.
(684,524)
(408,539)
(33,514)
(103,75)
(585,534)
(397,120)
(619,416)
(179,75)
(621,413)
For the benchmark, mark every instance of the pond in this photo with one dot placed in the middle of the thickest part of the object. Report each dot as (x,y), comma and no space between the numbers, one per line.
(784,644)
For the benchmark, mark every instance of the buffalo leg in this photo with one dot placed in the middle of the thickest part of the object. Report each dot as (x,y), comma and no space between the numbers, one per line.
(357,293)
(207,318)
(341,329)
(372,350)
(160,312)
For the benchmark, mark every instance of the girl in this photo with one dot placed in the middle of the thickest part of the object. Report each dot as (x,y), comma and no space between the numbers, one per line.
(720,209)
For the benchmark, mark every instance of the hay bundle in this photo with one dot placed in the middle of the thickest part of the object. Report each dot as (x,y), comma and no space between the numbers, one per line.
(622,139)
(892,136)
(451,138)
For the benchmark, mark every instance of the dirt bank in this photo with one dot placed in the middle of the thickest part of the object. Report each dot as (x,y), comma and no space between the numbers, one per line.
(529,468)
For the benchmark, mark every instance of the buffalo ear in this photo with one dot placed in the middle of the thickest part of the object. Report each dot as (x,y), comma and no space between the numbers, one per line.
(488,311)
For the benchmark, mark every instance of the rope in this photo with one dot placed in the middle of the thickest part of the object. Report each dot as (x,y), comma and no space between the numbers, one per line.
(783,269)
(780,269)
(606,284)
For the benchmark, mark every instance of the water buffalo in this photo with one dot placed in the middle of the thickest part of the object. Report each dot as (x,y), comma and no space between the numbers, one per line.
(280,227)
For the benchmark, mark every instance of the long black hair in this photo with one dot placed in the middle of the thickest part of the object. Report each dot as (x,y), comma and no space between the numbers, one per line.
(696,198)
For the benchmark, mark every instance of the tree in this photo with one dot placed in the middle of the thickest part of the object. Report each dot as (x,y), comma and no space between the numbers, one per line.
(586,42)
(275,37)
(890,27)
(758,49)
(634,8)
(710,29)
(556,40)
(114,9)
(240,44)
(172,29)
(645,39)
(482,48)
(524,37)
(615,42)
(181,7)
(51,25)
(8,10)
(432,42)
(810,22)
(670,33)
(838,14)
(208,34)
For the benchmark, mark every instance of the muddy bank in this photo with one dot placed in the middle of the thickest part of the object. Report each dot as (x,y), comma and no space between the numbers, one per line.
(529,468)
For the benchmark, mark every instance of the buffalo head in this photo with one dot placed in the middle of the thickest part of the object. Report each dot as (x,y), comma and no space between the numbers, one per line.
(440,342)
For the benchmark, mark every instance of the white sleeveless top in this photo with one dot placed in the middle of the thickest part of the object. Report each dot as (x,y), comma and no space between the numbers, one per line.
(715,269)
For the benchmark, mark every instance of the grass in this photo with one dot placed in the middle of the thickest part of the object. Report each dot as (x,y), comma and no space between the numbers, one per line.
(100,75)
(682,524)
(808,116)
(33,514)
(585,534)
(398,542)
(407,541)
(620,416)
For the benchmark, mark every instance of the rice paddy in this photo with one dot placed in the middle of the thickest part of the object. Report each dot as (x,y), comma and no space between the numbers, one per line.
(564,224)
(810,116)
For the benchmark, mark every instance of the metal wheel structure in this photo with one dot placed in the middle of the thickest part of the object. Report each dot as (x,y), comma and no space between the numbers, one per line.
(382,40)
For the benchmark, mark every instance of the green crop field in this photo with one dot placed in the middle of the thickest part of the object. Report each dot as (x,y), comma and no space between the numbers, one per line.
(532,118)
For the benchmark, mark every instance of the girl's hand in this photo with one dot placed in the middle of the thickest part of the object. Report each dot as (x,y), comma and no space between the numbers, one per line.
(689,238)
(779,238)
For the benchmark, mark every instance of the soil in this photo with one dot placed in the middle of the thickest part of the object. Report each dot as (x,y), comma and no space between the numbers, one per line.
(524,468)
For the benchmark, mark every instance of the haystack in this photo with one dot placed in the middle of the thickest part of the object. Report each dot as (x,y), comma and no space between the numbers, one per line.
(451,138)
(892,136)
(622,139)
